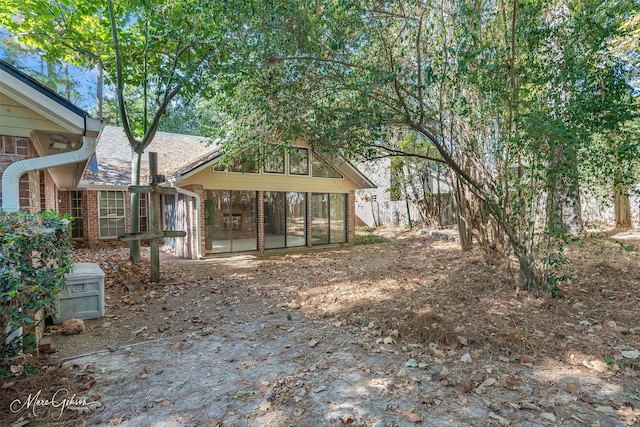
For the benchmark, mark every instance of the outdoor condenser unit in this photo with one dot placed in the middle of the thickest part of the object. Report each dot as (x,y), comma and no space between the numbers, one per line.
(83,295)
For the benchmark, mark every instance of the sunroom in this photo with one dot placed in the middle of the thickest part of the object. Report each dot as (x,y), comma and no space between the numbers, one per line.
(291,197)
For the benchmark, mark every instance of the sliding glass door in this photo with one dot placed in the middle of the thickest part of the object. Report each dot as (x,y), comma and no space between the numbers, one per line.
(285,219)
(329,213)
(230,221)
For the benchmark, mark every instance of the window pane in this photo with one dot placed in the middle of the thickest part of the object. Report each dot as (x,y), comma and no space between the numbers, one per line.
(216,205)
(274,159)
(112,214)
(337,215)
(298,161)
(321,169)
(230,221)
(320,218)
(296,219)
(274,219)
(244,164)
(243,220)
(77,229)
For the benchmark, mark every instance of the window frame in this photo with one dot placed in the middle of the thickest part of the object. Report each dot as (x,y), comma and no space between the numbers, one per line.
(325,166)
(76,210)
(307,163)
(270,152)
(110,216)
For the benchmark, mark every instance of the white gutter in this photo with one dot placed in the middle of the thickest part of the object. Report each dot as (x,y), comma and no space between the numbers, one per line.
(11,175)
(197,206)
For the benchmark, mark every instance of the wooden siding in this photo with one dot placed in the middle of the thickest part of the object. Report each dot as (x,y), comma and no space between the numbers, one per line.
(18,120)
(213,180)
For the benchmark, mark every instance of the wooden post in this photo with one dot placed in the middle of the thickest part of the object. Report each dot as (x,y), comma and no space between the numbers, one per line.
(154,203)
(155,233)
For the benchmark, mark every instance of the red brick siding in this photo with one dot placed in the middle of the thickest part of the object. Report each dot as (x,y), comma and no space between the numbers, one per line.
(309,220)
(261,221)
(351,217)
(14,149)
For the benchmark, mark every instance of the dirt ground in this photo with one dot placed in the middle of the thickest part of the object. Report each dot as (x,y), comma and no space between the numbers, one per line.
(408,332)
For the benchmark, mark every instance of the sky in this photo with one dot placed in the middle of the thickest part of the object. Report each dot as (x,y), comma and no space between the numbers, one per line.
(84,80)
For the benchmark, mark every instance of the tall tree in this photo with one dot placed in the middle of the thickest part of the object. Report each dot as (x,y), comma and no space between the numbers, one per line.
(158,48)
(475,80)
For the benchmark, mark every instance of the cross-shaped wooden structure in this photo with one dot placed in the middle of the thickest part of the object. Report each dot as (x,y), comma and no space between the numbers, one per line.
(154,234)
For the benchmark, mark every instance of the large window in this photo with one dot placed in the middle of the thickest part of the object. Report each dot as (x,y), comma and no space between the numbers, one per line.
(285,222)
(328,213)
(337,218)
(111,212)
(76,212)
(231,221)
(298,161)
(244,164)
(320,168)
(274,159)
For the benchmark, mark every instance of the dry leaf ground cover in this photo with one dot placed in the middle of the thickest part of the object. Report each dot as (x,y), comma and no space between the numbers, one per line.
(408,332)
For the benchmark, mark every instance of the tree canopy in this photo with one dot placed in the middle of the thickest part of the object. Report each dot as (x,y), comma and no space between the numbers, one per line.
(515,97)
(511,95)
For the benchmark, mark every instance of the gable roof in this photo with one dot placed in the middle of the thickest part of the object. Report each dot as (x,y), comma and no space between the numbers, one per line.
(179,156)
(111,164)
(212,157)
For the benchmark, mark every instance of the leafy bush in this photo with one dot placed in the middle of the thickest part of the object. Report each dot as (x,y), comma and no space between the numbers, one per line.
(35,255)
(364,237)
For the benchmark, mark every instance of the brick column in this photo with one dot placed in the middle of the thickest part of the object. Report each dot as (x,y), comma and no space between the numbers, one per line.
(91,222)
(14,149)
(261,221)
(309,219)
(351,217)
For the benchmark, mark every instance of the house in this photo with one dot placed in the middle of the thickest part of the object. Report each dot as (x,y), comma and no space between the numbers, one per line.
(290,197)
(56,156)
(46,142)
(428,202)
(100,202)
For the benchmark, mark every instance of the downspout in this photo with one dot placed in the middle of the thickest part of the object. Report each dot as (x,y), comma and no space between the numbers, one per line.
(11,175)
(197,206)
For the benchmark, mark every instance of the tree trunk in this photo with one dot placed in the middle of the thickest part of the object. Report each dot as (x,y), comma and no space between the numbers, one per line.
(621,203)
(564,210)
(465,226)
(134,245)
(99,87)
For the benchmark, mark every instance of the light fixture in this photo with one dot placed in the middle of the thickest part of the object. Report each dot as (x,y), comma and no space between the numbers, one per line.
(59,142)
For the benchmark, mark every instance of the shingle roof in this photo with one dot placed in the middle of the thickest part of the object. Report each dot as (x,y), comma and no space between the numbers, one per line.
(112,162)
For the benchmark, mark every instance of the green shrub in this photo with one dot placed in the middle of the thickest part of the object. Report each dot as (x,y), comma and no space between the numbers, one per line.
(35,255)
(366,237)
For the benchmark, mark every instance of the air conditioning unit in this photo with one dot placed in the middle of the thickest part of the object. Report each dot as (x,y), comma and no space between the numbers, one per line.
(83,295)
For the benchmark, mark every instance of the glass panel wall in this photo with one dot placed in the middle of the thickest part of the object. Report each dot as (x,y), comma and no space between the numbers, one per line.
(320,219)
(337,218)
(274,220)
(230,221)
(328,223)
(296,219)
(285,217)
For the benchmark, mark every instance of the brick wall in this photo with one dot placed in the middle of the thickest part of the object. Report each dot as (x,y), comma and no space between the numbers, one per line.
(92,224)
(49,193)
(14,149)
(351,217)
(261,221)
(309,220)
